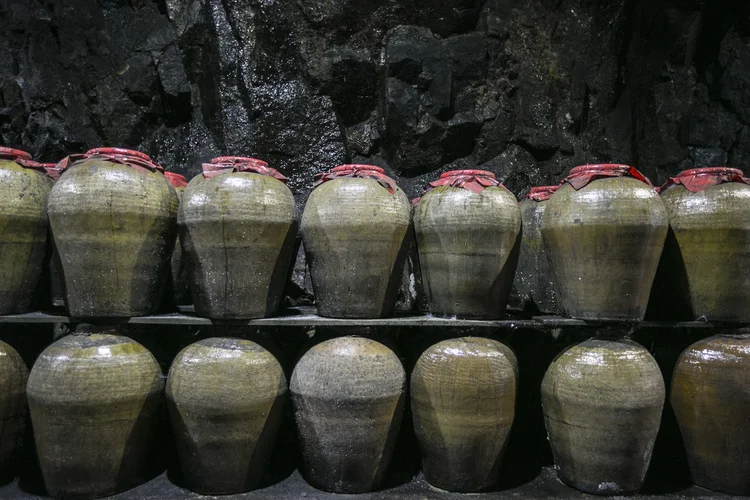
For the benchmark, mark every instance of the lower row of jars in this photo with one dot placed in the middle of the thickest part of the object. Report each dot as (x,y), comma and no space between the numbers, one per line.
(95,398)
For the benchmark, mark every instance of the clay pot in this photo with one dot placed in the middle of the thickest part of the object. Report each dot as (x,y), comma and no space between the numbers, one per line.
(94,400)
(602,402)
(534,288)
(13,377)
(708,210)
(468,227)
(353,229)
(711,399)
(348,396)
(604,231)
(225,398)
(177,290)
(463,394)
(114,221)
(237,225)
(23,233)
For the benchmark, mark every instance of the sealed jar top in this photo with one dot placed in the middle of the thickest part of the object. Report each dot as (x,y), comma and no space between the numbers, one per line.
(134,159)
(359,171)
(472,180)
(582,175)
(541,193)
(177,180)
(698,179)
(228,164)
(22,158)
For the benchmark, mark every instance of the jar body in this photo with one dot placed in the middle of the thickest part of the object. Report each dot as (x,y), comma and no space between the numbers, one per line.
(94,402)
(463,394)
(13,378)
(711,398)
(712,238)
(237,231)
(354,233)
(23,235)
(604,242)
(225,399)
(534,287)
(178,287)
(602,403)
(114,229)
(348,395)
(468,250)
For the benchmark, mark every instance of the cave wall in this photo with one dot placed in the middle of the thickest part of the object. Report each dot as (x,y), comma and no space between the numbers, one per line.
(524,88)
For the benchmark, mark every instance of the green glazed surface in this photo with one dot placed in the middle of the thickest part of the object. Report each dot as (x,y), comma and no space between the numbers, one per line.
(468,250)
(237,232)
(114,229)
(354,233)
(23,235)
(13,378)
(604,243)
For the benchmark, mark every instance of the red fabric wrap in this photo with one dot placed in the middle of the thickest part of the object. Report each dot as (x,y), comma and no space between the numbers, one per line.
(582,175)
(698,179)
(541,193)
(52,170)
(22,158)
(228,164)
(473,180)
(134,159)
(177,180)
(360,171)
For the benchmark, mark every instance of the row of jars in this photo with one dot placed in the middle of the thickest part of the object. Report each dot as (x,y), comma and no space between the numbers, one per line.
(589,248)
(95,398)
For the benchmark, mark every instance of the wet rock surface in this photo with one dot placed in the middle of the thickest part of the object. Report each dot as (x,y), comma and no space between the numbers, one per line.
(524,89)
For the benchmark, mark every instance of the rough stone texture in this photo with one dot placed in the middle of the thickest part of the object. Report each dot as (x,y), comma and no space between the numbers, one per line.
(525,89)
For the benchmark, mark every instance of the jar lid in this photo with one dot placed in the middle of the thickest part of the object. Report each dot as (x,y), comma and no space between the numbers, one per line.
(472,180)
(582,175)
(359,171)
(177,180)
(13,154)
(541,193)
(131,158)
(698,179)
(228,164)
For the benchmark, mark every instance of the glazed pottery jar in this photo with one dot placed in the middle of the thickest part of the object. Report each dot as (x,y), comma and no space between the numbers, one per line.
(463,394)
(354,227)
(94,400)
(711,398)
(114,221)
(23,229)
(237,226)
(13,377)
(708,215)
(177,291)
(468,228)
(534,288)
(348,396)
(604,230)
(225,399)
(602,402)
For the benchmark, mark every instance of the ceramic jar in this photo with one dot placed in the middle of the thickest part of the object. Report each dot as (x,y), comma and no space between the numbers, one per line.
(710,252)
(468,229)
(13,378)
(23,234)
(114,221)
(353,228)
(463,394)
(177,290)
(711,399)
(534,288)
(602,402)
(94,400)
(225,399)
(604,230)
(237,226)
(348,395)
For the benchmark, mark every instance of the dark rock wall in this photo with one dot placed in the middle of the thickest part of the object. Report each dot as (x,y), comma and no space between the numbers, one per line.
(525,88)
